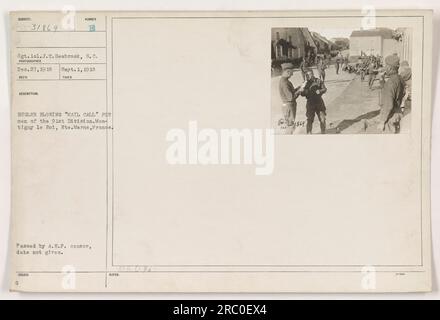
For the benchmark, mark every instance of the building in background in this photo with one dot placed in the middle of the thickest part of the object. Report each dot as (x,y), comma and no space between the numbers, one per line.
(295,44)
(292,44)
(323,45)
(370,42)
(381,41)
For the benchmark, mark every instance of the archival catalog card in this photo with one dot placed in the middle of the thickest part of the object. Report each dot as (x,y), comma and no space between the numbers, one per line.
(221,151)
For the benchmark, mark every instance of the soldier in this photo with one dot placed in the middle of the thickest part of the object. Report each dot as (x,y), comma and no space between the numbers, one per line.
(406,74)
(321,66)
(313,89)
(338,62)
(392,94)
(288,94)
(371,75)
(303,68)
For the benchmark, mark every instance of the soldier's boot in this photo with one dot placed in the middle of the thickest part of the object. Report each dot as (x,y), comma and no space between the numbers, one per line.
(396,126)
(321,117)
(322,124)
(309,126)
(395,122)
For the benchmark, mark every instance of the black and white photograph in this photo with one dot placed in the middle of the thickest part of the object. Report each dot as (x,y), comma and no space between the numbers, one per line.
(149,153)
(333,81)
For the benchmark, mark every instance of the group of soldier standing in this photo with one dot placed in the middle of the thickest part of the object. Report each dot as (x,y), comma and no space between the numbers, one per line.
(394,95)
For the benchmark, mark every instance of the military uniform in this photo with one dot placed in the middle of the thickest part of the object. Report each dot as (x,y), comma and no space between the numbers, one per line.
(371,75)
(303,68)
(338,62)
(321,69)
(313,91)
(392,95)
(288,95)
(406,74)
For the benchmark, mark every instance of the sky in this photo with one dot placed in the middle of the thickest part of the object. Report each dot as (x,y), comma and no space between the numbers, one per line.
(333,33)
